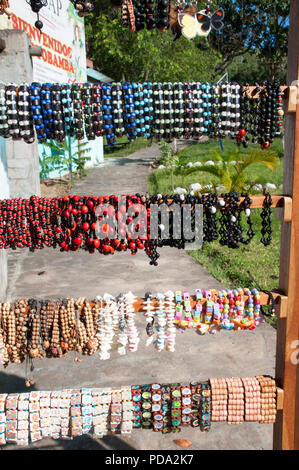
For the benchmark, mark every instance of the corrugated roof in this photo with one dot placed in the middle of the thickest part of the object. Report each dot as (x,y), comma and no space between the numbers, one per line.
(98,75)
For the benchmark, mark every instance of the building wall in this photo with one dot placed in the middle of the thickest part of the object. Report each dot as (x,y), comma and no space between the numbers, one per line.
(19,165)
(22,158)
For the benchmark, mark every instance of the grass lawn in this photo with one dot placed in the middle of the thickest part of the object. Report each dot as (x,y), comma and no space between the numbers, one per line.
(225,264)
(133,146)
(160,180)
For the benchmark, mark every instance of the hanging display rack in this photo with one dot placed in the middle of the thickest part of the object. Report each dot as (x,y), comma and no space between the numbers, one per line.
(108,224)
(286,433)
(161,110)
(166,408)
(31,328)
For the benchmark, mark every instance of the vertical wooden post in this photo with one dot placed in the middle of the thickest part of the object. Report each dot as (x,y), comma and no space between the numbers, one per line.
(286,429)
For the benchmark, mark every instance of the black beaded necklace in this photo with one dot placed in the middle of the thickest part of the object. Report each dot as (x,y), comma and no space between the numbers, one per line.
(58,118)
(78,111)
(26,122)
(246,206)
(162,14)
(139,12)
(36,6)
(210,227)
(230,228)
(86,94)
(266,212)
(12,112)
(4,129)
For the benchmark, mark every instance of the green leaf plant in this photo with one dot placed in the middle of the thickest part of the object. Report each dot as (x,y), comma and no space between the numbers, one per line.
(64,159)
(234,177)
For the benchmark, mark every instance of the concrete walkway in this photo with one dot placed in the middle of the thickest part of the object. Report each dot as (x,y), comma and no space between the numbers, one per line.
(51,274)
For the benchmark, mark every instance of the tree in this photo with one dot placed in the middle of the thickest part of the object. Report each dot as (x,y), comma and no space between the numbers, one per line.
(147,55)
(256,26)
(250,68)
(255,30)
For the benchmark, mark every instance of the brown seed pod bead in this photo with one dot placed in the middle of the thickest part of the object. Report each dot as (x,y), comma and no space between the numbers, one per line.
(34,349)
(43,325)
(11,331)
(21,329)
(15,357)
(4,360)
(92,343)
(95,314)
(5,314)
(49,326)
(37,325)
(64,327)
(268,399)
(71,323)
(55,340)
(81,334)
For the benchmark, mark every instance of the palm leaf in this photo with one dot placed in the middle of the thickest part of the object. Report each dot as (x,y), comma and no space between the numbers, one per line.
(268,159)
(211,169)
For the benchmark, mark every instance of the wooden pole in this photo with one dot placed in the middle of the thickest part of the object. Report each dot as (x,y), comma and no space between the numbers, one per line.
(286,429)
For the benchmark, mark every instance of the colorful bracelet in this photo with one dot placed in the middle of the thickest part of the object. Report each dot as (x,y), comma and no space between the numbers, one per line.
(205,406)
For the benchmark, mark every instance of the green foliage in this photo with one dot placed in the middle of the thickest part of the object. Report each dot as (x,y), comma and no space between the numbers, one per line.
(126,148)
(159,180)
(169,158)
(257,26)
(250,68)
(234,177)
(252,46)
(147,55)
(63,159)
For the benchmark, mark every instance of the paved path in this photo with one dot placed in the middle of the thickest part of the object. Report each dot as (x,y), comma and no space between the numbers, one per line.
(81,274)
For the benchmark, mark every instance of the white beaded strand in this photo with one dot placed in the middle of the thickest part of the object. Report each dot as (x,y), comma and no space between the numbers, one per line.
(171,329)
(133,336)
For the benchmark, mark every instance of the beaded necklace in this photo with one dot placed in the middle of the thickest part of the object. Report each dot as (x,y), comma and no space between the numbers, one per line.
(97,110)
(130,122)
(178,104)
(86,94)
(116,92)
(26,122)
(138,108)
(12,113)
(107,114)
(77,111)
(58,118)
(158,111)
(47,109)
(148,108)
(67,108)
(188,116)
(4,129)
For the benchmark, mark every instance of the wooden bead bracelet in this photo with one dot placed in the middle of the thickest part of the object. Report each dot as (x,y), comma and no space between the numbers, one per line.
(29,417)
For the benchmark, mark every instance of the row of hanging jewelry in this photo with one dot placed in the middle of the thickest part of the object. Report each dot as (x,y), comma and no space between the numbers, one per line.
(161,110)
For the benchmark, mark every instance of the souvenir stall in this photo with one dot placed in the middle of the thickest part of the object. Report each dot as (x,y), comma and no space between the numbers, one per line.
(32,329)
